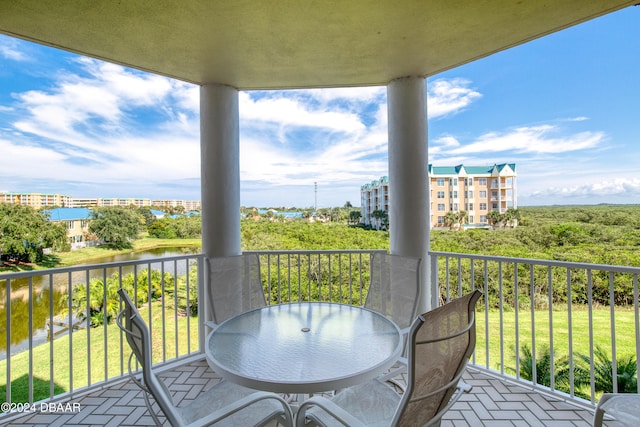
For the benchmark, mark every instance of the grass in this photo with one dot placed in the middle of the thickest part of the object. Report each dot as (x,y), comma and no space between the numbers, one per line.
(85,364)
(624,333)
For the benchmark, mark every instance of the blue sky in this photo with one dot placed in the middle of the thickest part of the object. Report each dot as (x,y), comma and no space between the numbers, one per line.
(564,108)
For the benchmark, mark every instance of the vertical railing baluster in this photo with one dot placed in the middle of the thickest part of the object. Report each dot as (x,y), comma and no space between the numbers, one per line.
(590,311)
(175,306)
(501,317)
(516,305)
(534,370)
(614,359)
(52,362)
(8,342)
(570,332)
(486,313)
(551,348)
(30,322)
(88,316)
(636,324)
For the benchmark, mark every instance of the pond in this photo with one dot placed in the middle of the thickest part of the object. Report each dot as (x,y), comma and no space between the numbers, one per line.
(40,295)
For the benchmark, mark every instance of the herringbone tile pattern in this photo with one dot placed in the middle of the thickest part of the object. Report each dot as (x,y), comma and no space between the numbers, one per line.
(492,402)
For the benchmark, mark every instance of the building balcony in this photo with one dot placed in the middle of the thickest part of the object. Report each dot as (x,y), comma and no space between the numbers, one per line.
(563,310)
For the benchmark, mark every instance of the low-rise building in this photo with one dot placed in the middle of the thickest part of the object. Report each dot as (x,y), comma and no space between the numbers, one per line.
(77,224)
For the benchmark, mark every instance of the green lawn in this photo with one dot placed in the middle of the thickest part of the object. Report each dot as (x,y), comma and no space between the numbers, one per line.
(71,370)
(624,331)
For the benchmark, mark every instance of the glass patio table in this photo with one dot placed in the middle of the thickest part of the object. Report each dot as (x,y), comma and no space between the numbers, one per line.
(303,347)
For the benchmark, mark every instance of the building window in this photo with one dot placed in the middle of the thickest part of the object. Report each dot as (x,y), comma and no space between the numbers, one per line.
(494,194)
(469,206)
(483,218)
(440,182)
(482,194)
(453,181)
(440,194)
(494,183)
(440,220)
(482,181)
(470,194)
(494,206)
(483,207)
(470,219)
(440,207)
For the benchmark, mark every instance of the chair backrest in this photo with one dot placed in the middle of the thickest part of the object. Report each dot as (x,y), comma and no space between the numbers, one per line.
(235,286)
(440,344)
(138,337)
(394,289)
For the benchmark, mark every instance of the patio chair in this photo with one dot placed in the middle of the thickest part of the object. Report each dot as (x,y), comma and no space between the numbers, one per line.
(394,288)
(394,291)
(225,404)
(624,407)
(437,357)
(236,287)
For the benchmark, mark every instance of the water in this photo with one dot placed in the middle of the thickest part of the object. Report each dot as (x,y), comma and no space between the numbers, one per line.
(41,295)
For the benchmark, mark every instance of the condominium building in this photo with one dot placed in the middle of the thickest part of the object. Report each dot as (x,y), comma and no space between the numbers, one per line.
(40,200)
(36,200)
(477,190)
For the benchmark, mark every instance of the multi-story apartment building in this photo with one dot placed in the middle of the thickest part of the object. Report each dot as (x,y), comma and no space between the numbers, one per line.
(36,200)
(477,190)
(39,200)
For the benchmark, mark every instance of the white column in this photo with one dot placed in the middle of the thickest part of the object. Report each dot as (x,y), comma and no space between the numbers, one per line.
(220,170)
(408,177)
(220,183)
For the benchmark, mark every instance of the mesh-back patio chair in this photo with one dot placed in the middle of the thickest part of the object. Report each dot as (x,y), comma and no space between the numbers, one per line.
(440,344)
(394,288)
(225,404)
(236,287)
(624,407)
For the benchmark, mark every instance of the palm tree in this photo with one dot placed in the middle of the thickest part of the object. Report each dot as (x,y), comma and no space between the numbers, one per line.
(462,218)
(450,219)
(626,372)
(543,368)
(495,218)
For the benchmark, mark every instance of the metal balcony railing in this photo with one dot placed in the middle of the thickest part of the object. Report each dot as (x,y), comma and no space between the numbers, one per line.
(568,328)
(549,324)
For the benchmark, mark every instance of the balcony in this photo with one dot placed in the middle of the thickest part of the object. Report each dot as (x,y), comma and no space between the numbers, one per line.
(80,377)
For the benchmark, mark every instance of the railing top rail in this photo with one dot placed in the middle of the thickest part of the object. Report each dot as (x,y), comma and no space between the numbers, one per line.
(62,270)
(324,251)
(544,262)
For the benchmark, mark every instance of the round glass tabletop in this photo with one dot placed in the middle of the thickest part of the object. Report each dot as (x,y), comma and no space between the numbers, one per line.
(304,347)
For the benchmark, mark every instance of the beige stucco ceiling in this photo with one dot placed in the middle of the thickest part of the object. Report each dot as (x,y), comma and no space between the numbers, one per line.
(269,44)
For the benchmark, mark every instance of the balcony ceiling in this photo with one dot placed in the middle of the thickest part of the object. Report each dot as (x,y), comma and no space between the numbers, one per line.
(281,44)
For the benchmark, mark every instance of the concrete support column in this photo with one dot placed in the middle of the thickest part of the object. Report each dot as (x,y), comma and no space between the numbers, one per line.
(220,170)
(408,176)
(220,181)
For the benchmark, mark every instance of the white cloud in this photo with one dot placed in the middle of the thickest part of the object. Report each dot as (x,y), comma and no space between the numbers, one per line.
(532,139)
(9,49)
(446,97)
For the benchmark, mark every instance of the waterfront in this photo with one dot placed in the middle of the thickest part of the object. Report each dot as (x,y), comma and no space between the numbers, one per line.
(46,294)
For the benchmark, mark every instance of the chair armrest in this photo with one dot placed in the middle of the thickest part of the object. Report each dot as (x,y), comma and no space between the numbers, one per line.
(240,404)
(330,408)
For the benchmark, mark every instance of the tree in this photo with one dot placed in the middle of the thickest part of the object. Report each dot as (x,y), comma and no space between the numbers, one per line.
(381,218)
(116,226)
(354,217)
(495,218)
(450,219)
(24,233)
(462,218)
(348,205)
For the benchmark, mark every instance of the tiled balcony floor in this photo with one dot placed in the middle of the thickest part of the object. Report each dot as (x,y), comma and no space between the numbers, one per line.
(492,402)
